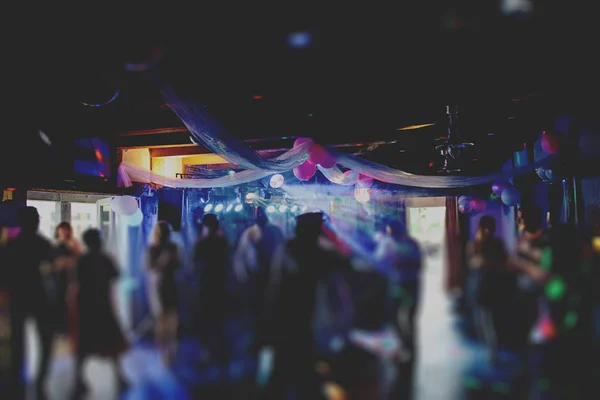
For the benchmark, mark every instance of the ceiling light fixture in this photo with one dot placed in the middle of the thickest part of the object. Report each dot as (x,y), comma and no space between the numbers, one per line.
(413,127)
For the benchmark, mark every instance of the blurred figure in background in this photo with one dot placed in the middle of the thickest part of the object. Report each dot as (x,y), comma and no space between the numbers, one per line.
(592,273)
(591,286)
(29,259)
(300,269)
(527,259)
(254,256)
(68,250)
(399,258)
(211,257)
(99,330)
(560,337)
(163,262)
(494,285)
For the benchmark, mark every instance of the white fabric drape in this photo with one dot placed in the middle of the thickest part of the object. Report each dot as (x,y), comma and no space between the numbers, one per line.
(207,131)
(129,172)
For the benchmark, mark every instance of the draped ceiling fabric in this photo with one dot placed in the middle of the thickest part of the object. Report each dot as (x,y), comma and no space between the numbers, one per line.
(199,172)
(206,130)
(398,177)
(135,173)
(214,136)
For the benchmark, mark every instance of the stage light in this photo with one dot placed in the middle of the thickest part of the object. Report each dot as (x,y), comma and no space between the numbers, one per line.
(270,209)
(219,207)
(299,40)
(276,181)
(208,207)
(250,197)
(282,208)
(238,208)
(229,207)
(303,208)
(294,208)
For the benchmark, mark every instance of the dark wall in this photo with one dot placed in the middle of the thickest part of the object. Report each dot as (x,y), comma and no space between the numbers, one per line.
(588,137)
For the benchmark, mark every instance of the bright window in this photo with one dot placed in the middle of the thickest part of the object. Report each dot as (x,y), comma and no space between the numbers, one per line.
(49,216)
(83,217)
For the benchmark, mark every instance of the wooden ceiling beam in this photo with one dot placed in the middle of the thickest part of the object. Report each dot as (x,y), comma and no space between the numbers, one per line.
(157,131)
(178,151)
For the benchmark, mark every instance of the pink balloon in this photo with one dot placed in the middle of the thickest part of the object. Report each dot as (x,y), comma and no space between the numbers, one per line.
(328,161)
(365,181)
(317,154)
(302,140)
(305,171)
(550,142)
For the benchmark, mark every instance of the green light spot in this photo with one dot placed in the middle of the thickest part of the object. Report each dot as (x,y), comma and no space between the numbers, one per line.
(472,383)
(570,319)
(555,289)
(510,118)
(546,260)
(310,114)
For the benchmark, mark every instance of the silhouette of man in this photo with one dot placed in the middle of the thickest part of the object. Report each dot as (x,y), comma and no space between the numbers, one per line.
(29,258)
(298,268)
(211,257)
(254,256)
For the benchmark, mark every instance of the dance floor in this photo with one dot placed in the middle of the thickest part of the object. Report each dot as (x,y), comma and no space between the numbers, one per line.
(449,366)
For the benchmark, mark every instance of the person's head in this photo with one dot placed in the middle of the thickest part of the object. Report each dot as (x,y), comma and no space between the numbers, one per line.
(260,216)
(93,239)
(487,227)
(162,232)
(63,231)
(531,218)
(211,223)
(396,228)
(28,219)
(309,227)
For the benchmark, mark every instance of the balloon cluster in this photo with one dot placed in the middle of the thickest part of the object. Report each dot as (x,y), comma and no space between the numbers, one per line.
(126,207)
(317,156)
(509,195)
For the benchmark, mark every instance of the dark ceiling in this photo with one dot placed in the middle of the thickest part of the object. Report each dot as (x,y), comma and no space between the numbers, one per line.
(365,74)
